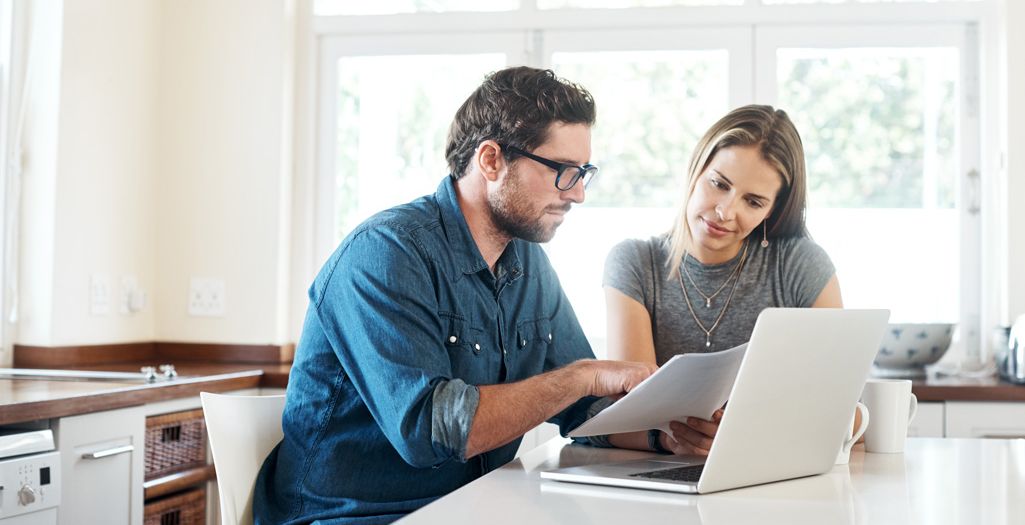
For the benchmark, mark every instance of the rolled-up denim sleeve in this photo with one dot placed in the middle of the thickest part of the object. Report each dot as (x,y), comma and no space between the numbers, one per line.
(596,406)
(455,404)
(379,311)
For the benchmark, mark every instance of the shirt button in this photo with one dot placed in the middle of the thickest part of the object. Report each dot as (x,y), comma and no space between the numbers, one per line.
(549,337)
(452,339)
(476,346)
(523,342)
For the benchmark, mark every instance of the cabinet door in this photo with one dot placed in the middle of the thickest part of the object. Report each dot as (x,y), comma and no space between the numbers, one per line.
(102,467)
(977,419)
(929,420)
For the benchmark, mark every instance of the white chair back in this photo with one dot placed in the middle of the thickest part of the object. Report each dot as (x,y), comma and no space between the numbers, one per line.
(242,430)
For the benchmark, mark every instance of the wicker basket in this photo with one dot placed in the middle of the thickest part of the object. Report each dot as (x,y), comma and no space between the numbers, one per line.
(185,508)
(175,442)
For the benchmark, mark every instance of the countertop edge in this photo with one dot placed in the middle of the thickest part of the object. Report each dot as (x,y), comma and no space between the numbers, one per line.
(121,397)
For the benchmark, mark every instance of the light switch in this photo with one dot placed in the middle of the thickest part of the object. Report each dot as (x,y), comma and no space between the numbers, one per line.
(99,294)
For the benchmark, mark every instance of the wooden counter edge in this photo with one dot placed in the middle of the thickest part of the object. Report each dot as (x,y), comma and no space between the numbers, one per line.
(126,397)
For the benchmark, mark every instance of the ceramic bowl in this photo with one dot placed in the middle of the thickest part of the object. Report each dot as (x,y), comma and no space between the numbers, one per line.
(908,347)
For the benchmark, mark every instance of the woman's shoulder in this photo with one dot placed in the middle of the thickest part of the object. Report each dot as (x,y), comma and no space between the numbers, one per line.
(799,244)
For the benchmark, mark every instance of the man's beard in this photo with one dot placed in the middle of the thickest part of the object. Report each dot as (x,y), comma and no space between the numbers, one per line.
(512,214)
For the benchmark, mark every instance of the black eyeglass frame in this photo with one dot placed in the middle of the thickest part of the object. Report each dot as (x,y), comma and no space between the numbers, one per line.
(587,172)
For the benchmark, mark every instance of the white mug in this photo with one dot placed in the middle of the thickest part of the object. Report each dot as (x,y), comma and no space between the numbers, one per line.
(844,456)
(893,406)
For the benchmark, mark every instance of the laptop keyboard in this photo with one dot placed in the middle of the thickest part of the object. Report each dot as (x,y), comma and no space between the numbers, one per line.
(689,473)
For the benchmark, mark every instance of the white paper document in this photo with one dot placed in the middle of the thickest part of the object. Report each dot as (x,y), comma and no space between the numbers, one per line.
(687,385)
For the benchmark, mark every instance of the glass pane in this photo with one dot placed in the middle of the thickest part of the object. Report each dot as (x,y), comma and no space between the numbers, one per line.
(622,4)
(653,107)
(391,132)
(879,128)
(392,7)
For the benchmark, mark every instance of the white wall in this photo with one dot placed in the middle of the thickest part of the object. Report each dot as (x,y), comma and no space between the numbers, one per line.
(159,143)
(87,199)
(224,185)
(104,201)
(1014,66)
(39,175)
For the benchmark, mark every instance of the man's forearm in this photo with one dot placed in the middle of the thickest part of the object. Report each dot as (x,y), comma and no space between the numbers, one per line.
(505,412)
(631,440)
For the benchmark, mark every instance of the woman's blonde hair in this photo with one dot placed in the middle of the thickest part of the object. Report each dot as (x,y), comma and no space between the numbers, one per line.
(774,134)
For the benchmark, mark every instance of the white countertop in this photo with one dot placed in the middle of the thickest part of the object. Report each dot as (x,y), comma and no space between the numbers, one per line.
(936,481)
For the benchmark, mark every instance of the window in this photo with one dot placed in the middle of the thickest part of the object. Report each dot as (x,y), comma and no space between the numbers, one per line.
(391,132)
(888,113)
(384,144)
(669,87)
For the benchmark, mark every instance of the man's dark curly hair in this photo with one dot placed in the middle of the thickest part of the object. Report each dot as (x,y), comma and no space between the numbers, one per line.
(514,107)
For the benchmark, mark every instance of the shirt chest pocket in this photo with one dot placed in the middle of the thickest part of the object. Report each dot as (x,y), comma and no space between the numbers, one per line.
(534,335)
(466,346)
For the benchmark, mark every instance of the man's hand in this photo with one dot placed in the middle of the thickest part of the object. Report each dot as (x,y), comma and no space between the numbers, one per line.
(615,378)
(693,436)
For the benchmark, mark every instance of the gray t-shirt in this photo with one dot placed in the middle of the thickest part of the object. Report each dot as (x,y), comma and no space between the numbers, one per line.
(788,273)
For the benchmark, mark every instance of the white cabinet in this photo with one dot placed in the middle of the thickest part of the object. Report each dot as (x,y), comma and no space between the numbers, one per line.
(989,419)
(928,421)
(102,467)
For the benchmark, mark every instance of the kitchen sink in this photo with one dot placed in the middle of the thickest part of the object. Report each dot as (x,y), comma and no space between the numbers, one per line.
(147,374)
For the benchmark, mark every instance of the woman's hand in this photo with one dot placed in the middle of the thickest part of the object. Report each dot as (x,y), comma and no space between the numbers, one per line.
(692,437)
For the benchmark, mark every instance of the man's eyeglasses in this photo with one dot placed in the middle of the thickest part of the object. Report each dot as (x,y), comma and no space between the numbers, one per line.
(573,173)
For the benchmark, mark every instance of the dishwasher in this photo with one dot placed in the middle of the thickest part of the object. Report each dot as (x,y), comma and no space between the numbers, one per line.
(29,477)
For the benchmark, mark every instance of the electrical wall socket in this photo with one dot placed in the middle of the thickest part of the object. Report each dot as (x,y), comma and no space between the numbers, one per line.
(206,297)
(99,294)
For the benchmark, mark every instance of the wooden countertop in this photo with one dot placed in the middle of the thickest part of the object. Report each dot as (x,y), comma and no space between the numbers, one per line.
(948,388)
(33,399)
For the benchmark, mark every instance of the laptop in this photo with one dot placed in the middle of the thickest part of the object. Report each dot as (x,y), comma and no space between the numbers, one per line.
(787,414)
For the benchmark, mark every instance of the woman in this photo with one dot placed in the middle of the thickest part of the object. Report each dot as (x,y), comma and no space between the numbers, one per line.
(739,245)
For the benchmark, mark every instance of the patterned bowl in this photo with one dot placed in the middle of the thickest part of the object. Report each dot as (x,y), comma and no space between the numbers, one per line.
(908,347)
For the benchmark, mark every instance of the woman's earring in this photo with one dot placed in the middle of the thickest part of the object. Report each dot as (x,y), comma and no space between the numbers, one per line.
(765,233)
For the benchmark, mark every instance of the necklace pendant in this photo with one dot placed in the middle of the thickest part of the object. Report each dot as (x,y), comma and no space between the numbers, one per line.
(708,302)
(708,341)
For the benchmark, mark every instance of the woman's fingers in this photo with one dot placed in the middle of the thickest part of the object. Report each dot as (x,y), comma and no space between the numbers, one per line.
(685,448)
(708,428)
(685,434)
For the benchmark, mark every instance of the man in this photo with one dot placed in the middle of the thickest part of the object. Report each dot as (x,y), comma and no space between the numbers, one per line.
(438,333)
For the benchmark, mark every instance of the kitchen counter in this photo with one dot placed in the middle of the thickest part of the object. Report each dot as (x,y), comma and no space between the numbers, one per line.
(32,399)
(950,388)
(936,481)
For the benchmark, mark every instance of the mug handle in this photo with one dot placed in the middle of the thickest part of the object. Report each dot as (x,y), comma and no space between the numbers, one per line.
(861,428)
(914,408)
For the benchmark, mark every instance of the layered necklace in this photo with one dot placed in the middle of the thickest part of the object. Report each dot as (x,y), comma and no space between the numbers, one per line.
(734,275)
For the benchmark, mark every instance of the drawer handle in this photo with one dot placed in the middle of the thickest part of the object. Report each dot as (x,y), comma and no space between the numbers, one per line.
(108,452)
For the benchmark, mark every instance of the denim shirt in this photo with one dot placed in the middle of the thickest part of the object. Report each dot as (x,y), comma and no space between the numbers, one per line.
(405,319)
